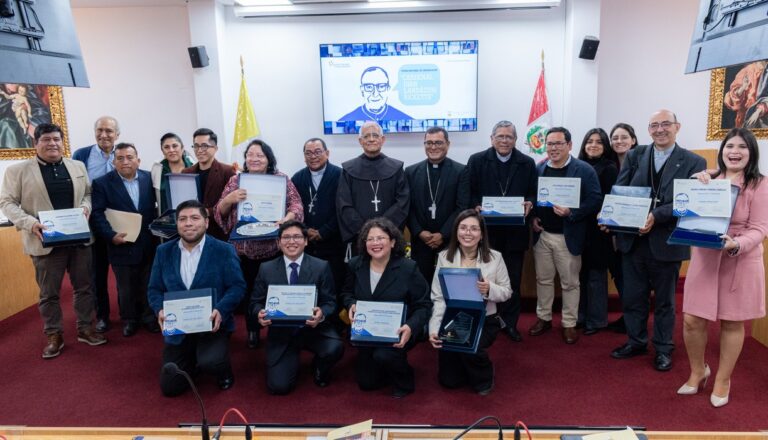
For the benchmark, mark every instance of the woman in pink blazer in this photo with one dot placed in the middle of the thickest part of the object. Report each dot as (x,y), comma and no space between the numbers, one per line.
(714,287)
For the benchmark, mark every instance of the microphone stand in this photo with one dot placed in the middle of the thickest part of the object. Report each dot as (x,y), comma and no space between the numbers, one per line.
(172,368)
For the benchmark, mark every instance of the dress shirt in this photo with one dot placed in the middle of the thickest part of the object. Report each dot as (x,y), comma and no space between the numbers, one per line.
(99,163)
(317,176)
(288,265)
(190,261)
(132,186)
(661,156)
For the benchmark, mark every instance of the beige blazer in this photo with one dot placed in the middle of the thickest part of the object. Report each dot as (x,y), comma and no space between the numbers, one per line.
(494,271)
(24,195)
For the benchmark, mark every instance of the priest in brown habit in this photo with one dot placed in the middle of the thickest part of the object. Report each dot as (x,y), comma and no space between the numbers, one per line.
(371,185)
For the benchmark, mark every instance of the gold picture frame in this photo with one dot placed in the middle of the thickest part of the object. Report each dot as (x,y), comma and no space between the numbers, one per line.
(722,117)
(43,104)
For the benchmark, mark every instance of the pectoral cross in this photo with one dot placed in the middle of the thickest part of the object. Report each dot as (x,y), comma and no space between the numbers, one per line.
(311,206)
(433,210)
(375,202)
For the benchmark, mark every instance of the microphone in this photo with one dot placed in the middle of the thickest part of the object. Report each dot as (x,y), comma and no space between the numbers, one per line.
(171,369)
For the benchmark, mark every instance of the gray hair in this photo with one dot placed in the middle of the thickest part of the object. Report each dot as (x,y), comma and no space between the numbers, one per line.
(503,124)
(368,123)
(117,125)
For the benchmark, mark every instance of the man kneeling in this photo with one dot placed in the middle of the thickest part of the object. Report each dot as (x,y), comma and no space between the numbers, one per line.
(284,343)
(197,261)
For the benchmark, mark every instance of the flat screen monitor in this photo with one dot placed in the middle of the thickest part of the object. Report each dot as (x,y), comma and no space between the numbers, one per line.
(404,86)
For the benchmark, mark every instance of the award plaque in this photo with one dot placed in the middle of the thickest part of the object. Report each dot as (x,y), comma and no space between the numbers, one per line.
(703,231)
(377,323)
(503,210)
(64,227)
(264,206)
(291,304)
(187,311)
(464,316)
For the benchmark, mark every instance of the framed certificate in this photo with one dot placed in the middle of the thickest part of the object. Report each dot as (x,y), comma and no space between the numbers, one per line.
(560,191)
(697,199)
(187,311)
(264,205)
(64,227)
(183,187)
(291,303)
(376,323)
(624,214)
(464,317)
(503,210)
(703,231)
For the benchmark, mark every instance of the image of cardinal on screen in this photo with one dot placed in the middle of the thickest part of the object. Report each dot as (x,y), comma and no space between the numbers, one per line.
(375,88)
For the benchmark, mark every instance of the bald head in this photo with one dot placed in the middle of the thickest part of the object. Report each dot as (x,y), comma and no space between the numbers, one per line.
(663,127)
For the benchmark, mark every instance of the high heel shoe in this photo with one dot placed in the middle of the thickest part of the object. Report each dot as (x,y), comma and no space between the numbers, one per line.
(718,401)
(689,390)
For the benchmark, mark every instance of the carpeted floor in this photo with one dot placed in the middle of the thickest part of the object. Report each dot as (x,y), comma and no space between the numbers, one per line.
(540,381)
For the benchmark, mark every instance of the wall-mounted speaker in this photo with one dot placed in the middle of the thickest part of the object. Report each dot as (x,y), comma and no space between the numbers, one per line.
(198,56)
(589,48)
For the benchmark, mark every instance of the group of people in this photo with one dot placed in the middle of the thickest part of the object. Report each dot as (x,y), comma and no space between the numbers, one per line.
(343,232)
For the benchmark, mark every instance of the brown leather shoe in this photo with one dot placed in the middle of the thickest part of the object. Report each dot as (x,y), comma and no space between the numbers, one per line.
(90,337)
(55,344)
(540,327)
(570,335)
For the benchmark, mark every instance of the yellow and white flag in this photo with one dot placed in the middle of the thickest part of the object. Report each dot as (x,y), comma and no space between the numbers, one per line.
(246,126)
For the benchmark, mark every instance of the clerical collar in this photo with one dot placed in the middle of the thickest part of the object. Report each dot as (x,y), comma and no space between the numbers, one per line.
(435,165)
(47,164)
(320,172)
(376,157)
(504,159)
(666,152)
(549,163)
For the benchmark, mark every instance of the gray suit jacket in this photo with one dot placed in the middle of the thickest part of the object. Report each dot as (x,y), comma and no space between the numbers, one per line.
(636,172)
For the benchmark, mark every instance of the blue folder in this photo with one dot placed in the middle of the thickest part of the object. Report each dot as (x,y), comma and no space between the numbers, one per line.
(459,286)
(703,232)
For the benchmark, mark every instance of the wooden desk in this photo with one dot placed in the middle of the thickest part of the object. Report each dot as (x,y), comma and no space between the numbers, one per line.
(19,289)
(391,433)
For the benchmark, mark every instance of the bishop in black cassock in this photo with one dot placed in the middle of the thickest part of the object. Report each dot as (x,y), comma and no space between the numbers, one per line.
(371,185)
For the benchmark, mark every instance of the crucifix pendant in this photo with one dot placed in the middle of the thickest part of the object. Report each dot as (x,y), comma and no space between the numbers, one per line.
(433,210)
(375,202)
(311,207)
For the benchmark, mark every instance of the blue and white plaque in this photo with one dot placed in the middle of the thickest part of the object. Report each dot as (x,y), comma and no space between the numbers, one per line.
(377,322)
(187,311)
(291,302)
(697,199)
(559,191)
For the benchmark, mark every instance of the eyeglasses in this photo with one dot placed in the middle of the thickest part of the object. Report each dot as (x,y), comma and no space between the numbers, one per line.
(297,238)
(504,137)
(202,146)
(381,87)
(313,153)
(473,229)
(430,144)
(664,124)
(377,239)
(556,144)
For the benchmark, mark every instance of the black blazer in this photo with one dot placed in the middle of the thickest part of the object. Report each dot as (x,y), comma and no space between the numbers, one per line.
(681,164)
(447,198)
(312,271)
(109,192)
(218,176)
(324,217)
(480,178)
(401,282)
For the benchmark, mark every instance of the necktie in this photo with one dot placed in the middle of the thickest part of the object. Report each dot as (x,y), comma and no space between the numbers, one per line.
(294,279)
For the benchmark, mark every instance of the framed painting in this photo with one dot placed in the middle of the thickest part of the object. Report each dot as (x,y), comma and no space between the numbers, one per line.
(738,97)
(22,108)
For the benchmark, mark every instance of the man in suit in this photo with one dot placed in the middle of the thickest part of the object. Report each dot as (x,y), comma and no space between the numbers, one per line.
(128,189)
(99,160)
(504,171)
(649,262)
(197,261)
(46,182)
(434,184)
(284,343)
(213,174)
(559,236)
(317,184)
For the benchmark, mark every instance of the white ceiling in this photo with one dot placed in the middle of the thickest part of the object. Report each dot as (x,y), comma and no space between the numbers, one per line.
(132,3)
